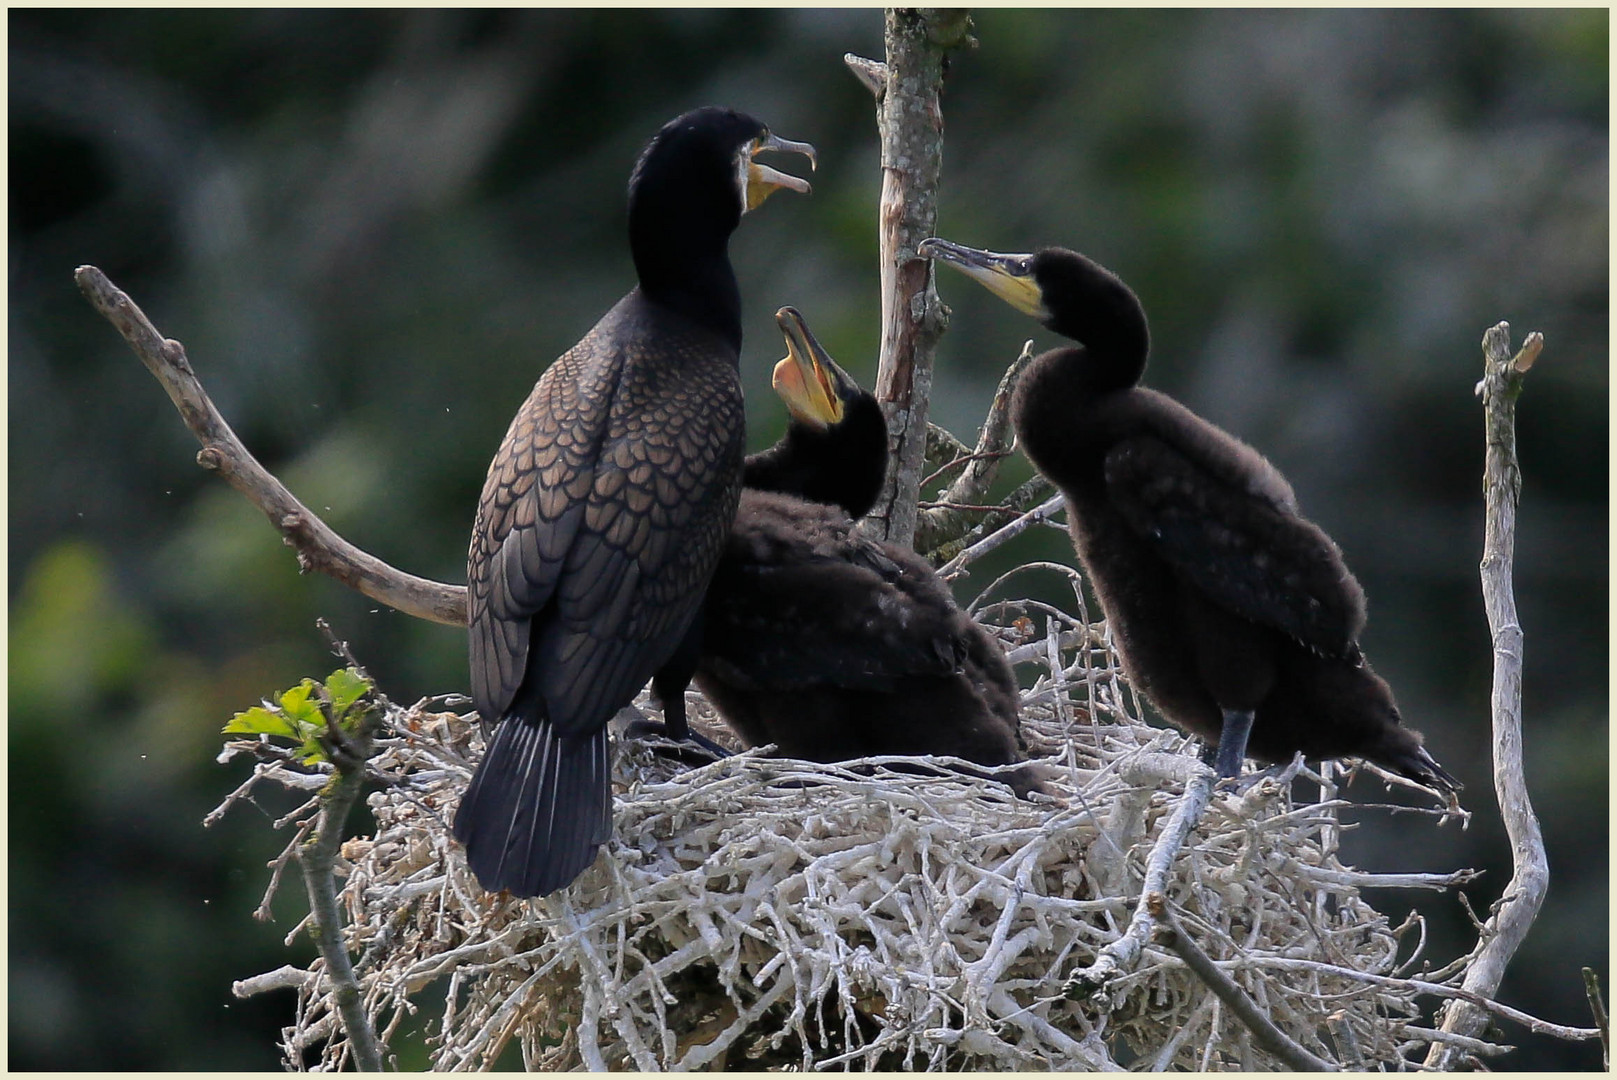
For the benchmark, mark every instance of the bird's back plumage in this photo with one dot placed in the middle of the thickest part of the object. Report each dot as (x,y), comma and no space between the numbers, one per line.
(600,523)
(832,646)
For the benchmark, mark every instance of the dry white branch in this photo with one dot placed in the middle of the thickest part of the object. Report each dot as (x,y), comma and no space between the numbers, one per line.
(1121,956)
(1005,533)
(1502,483)
(318,547)
(285,977)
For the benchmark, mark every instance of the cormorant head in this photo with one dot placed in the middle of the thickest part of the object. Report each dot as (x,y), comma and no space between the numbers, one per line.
(835,449)
(1069,293)
(699,169)
(817,392)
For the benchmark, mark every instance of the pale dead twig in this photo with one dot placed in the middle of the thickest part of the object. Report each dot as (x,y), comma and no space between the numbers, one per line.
(1121,955)
(956,566)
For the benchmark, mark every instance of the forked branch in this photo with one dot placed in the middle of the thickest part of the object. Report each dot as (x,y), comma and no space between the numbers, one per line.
(942,524)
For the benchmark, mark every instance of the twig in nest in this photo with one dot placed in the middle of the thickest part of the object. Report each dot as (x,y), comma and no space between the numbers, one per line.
(1426,986)
(1347,1043)
(1121,955)
(1277,1042)
(317,545)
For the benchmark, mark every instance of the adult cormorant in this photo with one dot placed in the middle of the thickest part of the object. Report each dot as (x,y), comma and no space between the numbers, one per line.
(1234,614)
(824,641)
(605,511)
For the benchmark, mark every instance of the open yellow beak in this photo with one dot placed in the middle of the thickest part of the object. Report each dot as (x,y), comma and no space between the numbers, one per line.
(807,378)
(763,181)
(1009,277)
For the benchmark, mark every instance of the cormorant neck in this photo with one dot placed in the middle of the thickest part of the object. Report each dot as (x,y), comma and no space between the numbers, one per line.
(688,270)
(697,285)
(1092,306)
(841,466)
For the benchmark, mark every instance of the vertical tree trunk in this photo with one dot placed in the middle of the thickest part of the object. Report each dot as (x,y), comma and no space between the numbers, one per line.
(1502,487)
(910,120)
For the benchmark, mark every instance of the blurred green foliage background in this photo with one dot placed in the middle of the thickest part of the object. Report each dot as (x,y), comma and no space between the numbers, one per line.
(373,230)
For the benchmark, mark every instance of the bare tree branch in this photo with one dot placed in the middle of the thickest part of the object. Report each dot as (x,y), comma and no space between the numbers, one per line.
(318,547)
(1597,1006)
(910,121)
(943,521)
(1502,484)
(943,450)
(318,856)
(285,977)
(1004,533)
(873,73)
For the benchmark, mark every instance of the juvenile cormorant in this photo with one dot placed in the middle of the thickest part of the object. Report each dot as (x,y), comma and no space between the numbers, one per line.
(824,641)
(1234,614)
(605,511)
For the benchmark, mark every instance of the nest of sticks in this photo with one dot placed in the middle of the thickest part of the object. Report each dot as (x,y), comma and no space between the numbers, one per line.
(762,913)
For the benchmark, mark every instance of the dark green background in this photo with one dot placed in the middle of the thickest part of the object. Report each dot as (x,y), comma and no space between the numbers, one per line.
(373,230)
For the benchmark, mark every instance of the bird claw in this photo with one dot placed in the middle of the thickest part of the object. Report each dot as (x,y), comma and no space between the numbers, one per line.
(692,745)
(1239,786)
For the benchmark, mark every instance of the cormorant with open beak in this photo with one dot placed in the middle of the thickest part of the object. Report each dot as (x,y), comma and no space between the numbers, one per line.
(606,509)
(824,641)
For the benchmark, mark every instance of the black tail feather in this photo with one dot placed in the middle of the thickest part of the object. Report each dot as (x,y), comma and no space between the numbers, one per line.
(538,809)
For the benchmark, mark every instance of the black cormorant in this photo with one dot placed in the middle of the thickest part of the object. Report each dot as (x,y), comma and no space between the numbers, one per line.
(1234,614)
(606,509)
(824,641)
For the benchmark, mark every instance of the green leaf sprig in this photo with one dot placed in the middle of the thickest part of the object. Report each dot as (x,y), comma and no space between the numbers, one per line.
(304,714)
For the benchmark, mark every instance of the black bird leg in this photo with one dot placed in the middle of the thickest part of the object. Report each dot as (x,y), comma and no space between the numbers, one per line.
(669,685)
(1232,743)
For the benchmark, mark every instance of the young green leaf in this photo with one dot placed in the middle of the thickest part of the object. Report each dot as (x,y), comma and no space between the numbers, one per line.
(305,714)
(311,751)
(346,686)
(260,721)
